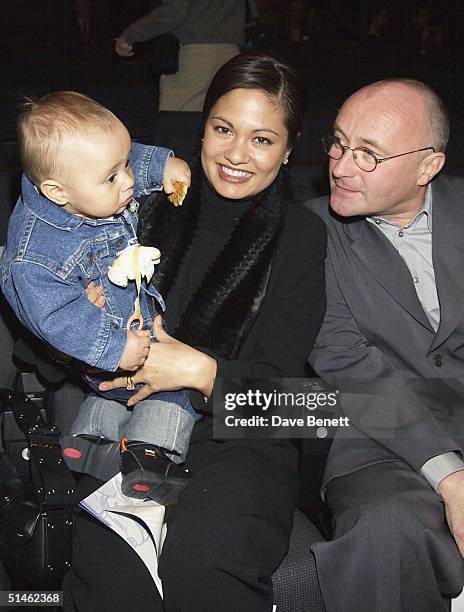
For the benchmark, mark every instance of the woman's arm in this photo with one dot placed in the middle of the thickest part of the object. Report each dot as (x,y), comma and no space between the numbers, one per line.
(281,338)
(183,365)
(170,365)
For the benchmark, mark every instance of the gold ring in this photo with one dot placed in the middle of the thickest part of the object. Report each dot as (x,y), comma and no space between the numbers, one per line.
(130,386)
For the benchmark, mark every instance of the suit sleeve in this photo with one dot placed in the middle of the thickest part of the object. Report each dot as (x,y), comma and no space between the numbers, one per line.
(341,348)
(375,398)
(166,17)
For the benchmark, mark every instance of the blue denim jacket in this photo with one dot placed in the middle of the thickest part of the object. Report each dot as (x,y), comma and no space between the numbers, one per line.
(51,256)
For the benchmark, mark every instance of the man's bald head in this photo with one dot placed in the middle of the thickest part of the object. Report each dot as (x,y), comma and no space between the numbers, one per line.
(398,122)
(435,116)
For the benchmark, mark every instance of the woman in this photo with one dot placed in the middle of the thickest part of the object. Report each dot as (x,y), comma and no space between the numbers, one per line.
(243,274)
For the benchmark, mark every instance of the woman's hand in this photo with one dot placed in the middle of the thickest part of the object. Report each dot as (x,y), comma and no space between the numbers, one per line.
(170,365)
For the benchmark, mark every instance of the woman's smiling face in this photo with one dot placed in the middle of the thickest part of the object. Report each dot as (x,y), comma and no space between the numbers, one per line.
(244,144)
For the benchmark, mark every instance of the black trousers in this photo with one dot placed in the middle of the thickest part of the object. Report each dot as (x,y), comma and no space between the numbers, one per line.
(228,535)
(391,549)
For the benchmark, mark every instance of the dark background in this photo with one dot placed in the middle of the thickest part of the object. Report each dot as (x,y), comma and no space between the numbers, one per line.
(328,41)
(42,50)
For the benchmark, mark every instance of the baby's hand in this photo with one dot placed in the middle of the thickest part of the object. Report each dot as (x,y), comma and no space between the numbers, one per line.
(176,171)
(95,294)
(136,350)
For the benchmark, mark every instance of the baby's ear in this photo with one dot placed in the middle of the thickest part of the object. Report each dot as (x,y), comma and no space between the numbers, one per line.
(54,191)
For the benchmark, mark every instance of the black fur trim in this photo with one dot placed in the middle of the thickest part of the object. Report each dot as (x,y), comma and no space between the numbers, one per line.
(221,312)
(171,230)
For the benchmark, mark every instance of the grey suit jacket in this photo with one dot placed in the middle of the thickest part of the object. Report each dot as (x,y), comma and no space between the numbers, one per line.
(410,405)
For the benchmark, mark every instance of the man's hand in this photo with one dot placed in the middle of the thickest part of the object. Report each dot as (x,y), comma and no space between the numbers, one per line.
(451,489)
(176,170)
(123,48)
(136,350)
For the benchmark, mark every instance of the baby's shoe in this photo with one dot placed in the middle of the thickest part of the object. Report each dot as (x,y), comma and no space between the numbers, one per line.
(92,455)
(147,471)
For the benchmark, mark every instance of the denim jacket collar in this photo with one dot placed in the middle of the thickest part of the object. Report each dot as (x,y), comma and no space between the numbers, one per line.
(51,213)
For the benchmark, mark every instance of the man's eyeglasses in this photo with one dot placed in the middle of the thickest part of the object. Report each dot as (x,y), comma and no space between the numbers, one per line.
(364,158)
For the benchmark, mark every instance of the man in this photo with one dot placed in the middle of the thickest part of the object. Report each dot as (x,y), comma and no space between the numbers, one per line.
(210,33)
(393,341)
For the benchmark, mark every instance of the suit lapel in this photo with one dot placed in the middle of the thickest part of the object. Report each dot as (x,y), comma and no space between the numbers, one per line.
(448,257)
(382,261)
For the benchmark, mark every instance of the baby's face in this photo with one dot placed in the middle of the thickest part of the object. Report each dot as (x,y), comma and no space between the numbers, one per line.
(99,181)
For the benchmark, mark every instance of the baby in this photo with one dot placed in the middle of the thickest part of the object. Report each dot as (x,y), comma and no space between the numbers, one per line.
(76,214)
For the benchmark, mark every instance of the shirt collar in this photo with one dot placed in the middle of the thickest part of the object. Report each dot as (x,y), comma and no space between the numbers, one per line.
(428,206)
(425,211)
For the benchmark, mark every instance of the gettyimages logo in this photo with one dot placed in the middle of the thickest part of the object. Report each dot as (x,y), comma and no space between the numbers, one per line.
(381,408)
(280,408)
(262,400)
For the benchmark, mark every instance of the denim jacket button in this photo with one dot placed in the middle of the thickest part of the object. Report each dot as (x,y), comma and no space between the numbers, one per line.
(115,325)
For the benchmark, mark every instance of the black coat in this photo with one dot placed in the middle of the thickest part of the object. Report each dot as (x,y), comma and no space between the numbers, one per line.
(258,310)
(261,303)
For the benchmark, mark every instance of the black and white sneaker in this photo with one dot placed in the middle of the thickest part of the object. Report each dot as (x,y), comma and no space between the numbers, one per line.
(147,471)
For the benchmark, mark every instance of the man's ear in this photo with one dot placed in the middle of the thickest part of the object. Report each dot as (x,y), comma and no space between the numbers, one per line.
(54,191)
(430,167)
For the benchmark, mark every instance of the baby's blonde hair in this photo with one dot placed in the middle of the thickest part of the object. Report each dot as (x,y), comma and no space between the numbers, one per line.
(45,123)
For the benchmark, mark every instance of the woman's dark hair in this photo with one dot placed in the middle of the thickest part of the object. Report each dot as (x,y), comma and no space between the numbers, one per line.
(248,71)
(264,73)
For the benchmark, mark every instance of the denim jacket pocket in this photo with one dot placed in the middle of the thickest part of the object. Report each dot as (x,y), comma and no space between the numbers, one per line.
(90,261)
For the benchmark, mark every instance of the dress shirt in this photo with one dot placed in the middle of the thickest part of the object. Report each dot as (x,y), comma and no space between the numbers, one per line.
(414,243)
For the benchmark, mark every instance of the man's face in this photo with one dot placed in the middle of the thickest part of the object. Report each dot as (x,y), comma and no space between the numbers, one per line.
(388,121)
(99,182)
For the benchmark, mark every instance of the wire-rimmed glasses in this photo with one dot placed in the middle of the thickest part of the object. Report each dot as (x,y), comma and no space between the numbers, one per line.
(364,158)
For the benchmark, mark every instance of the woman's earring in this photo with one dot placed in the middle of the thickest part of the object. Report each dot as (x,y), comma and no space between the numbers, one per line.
(285,162)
